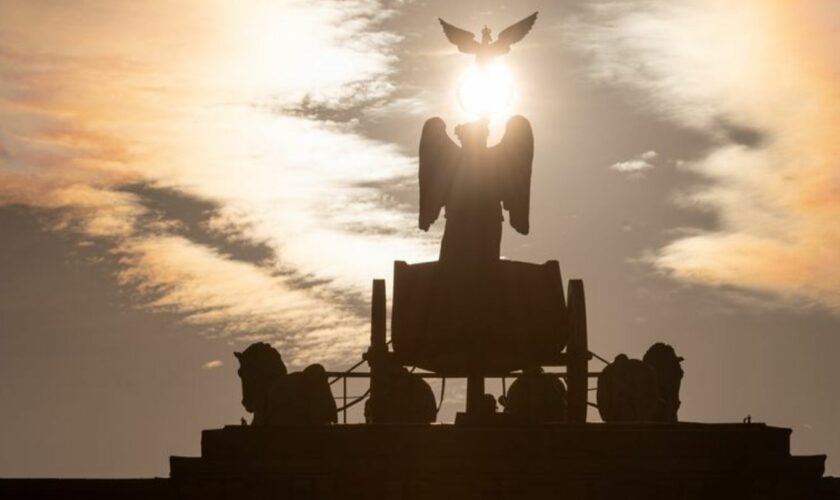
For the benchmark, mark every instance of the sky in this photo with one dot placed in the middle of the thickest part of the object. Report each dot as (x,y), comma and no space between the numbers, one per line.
(179,179)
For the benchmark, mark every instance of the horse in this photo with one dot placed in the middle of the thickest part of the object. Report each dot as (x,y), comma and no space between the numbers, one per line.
(628,391)
(405,398)
(537,397)
(276,397)
(669,373)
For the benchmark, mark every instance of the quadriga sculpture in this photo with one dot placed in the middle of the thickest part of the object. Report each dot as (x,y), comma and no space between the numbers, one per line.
(536,397)
(279,398)
(669,373)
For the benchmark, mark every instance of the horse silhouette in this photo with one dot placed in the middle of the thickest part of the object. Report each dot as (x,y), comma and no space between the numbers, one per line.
(276,397)
(669,373)
(405,398)
(628,391)
(536,397)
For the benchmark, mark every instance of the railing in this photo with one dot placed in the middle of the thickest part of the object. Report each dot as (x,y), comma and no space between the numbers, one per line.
(350,373)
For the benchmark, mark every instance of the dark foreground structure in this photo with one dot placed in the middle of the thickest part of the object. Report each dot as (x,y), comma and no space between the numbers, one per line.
(562,461)
(552,461)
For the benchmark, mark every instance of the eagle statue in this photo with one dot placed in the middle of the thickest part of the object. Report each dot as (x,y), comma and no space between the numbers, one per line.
(486,50)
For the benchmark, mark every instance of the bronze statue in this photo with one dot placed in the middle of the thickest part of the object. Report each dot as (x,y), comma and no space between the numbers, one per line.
(278,398)
(537,397)
(628,391)
(669,373)
(646,390)
(474,183)
(487,49)
(404,398)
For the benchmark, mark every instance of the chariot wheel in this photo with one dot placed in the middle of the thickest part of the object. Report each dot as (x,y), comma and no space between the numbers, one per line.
(577,350)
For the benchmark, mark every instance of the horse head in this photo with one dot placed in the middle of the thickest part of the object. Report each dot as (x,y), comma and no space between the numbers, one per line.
(260,369)
(669,374)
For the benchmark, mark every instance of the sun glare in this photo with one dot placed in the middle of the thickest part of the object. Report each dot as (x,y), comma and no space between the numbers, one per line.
(487,91)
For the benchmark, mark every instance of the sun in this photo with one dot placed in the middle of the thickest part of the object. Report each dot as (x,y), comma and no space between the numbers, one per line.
(486,91)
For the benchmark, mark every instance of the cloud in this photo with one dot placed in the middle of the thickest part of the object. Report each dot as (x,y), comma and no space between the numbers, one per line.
(635,165)
(216,363)
(238,299)
(760,78)
(125,118)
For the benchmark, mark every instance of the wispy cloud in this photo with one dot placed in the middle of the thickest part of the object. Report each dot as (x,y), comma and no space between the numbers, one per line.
(635,165)
(760,77)
(216,363)
(98,98)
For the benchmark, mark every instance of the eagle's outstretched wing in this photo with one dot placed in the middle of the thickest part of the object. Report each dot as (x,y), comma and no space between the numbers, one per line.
(513,34)
(463,39)
(439,156)
(513,157)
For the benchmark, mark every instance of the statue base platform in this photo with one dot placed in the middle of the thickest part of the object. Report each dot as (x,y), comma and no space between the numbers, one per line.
(562,461)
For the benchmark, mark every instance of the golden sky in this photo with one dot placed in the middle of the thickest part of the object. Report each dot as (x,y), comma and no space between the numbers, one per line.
(771,67)
(242,170)
(99,96)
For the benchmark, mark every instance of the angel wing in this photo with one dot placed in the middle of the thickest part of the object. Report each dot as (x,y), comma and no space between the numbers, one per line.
(463,39)
(439,156)
(513,34)
(514,156)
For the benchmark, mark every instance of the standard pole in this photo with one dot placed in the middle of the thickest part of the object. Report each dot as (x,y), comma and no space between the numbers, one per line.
(475,396)
(378,347)
(377,316)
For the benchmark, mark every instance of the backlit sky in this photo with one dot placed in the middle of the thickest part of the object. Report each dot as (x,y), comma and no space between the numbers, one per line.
(181,178)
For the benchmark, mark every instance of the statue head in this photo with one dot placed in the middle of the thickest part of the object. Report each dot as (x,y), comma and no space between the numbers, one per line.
(473,134)
(664,359)
(260,368)
(485,35)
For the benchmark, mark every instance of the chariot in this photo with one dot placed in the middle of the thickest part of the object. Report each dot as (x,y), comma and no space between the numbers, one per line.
(511,317)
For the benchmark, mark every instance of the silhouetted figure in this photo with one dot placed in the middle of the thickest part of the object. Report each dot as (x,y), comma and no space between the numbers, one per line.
(537,397)
(487,50)
(628,391)
(474,183)
(278,398)
(405,398)
(669,373)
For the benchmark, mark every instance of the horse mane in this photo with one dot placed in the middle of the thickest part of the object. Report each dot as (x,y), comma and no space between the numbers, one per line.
(263,357)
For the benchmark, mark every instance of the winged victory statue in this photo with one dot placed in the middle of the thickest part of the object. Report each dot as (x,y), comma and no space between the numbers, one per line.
(474,183)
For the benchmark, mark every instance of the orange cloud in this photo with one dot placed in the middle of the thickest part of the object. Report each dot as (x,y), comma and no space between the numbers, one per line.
(100,95)
(769,66)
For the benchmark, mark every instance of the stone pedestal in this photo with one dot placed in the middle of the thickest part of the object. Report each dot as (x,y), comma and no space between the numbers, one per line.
(581,462)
